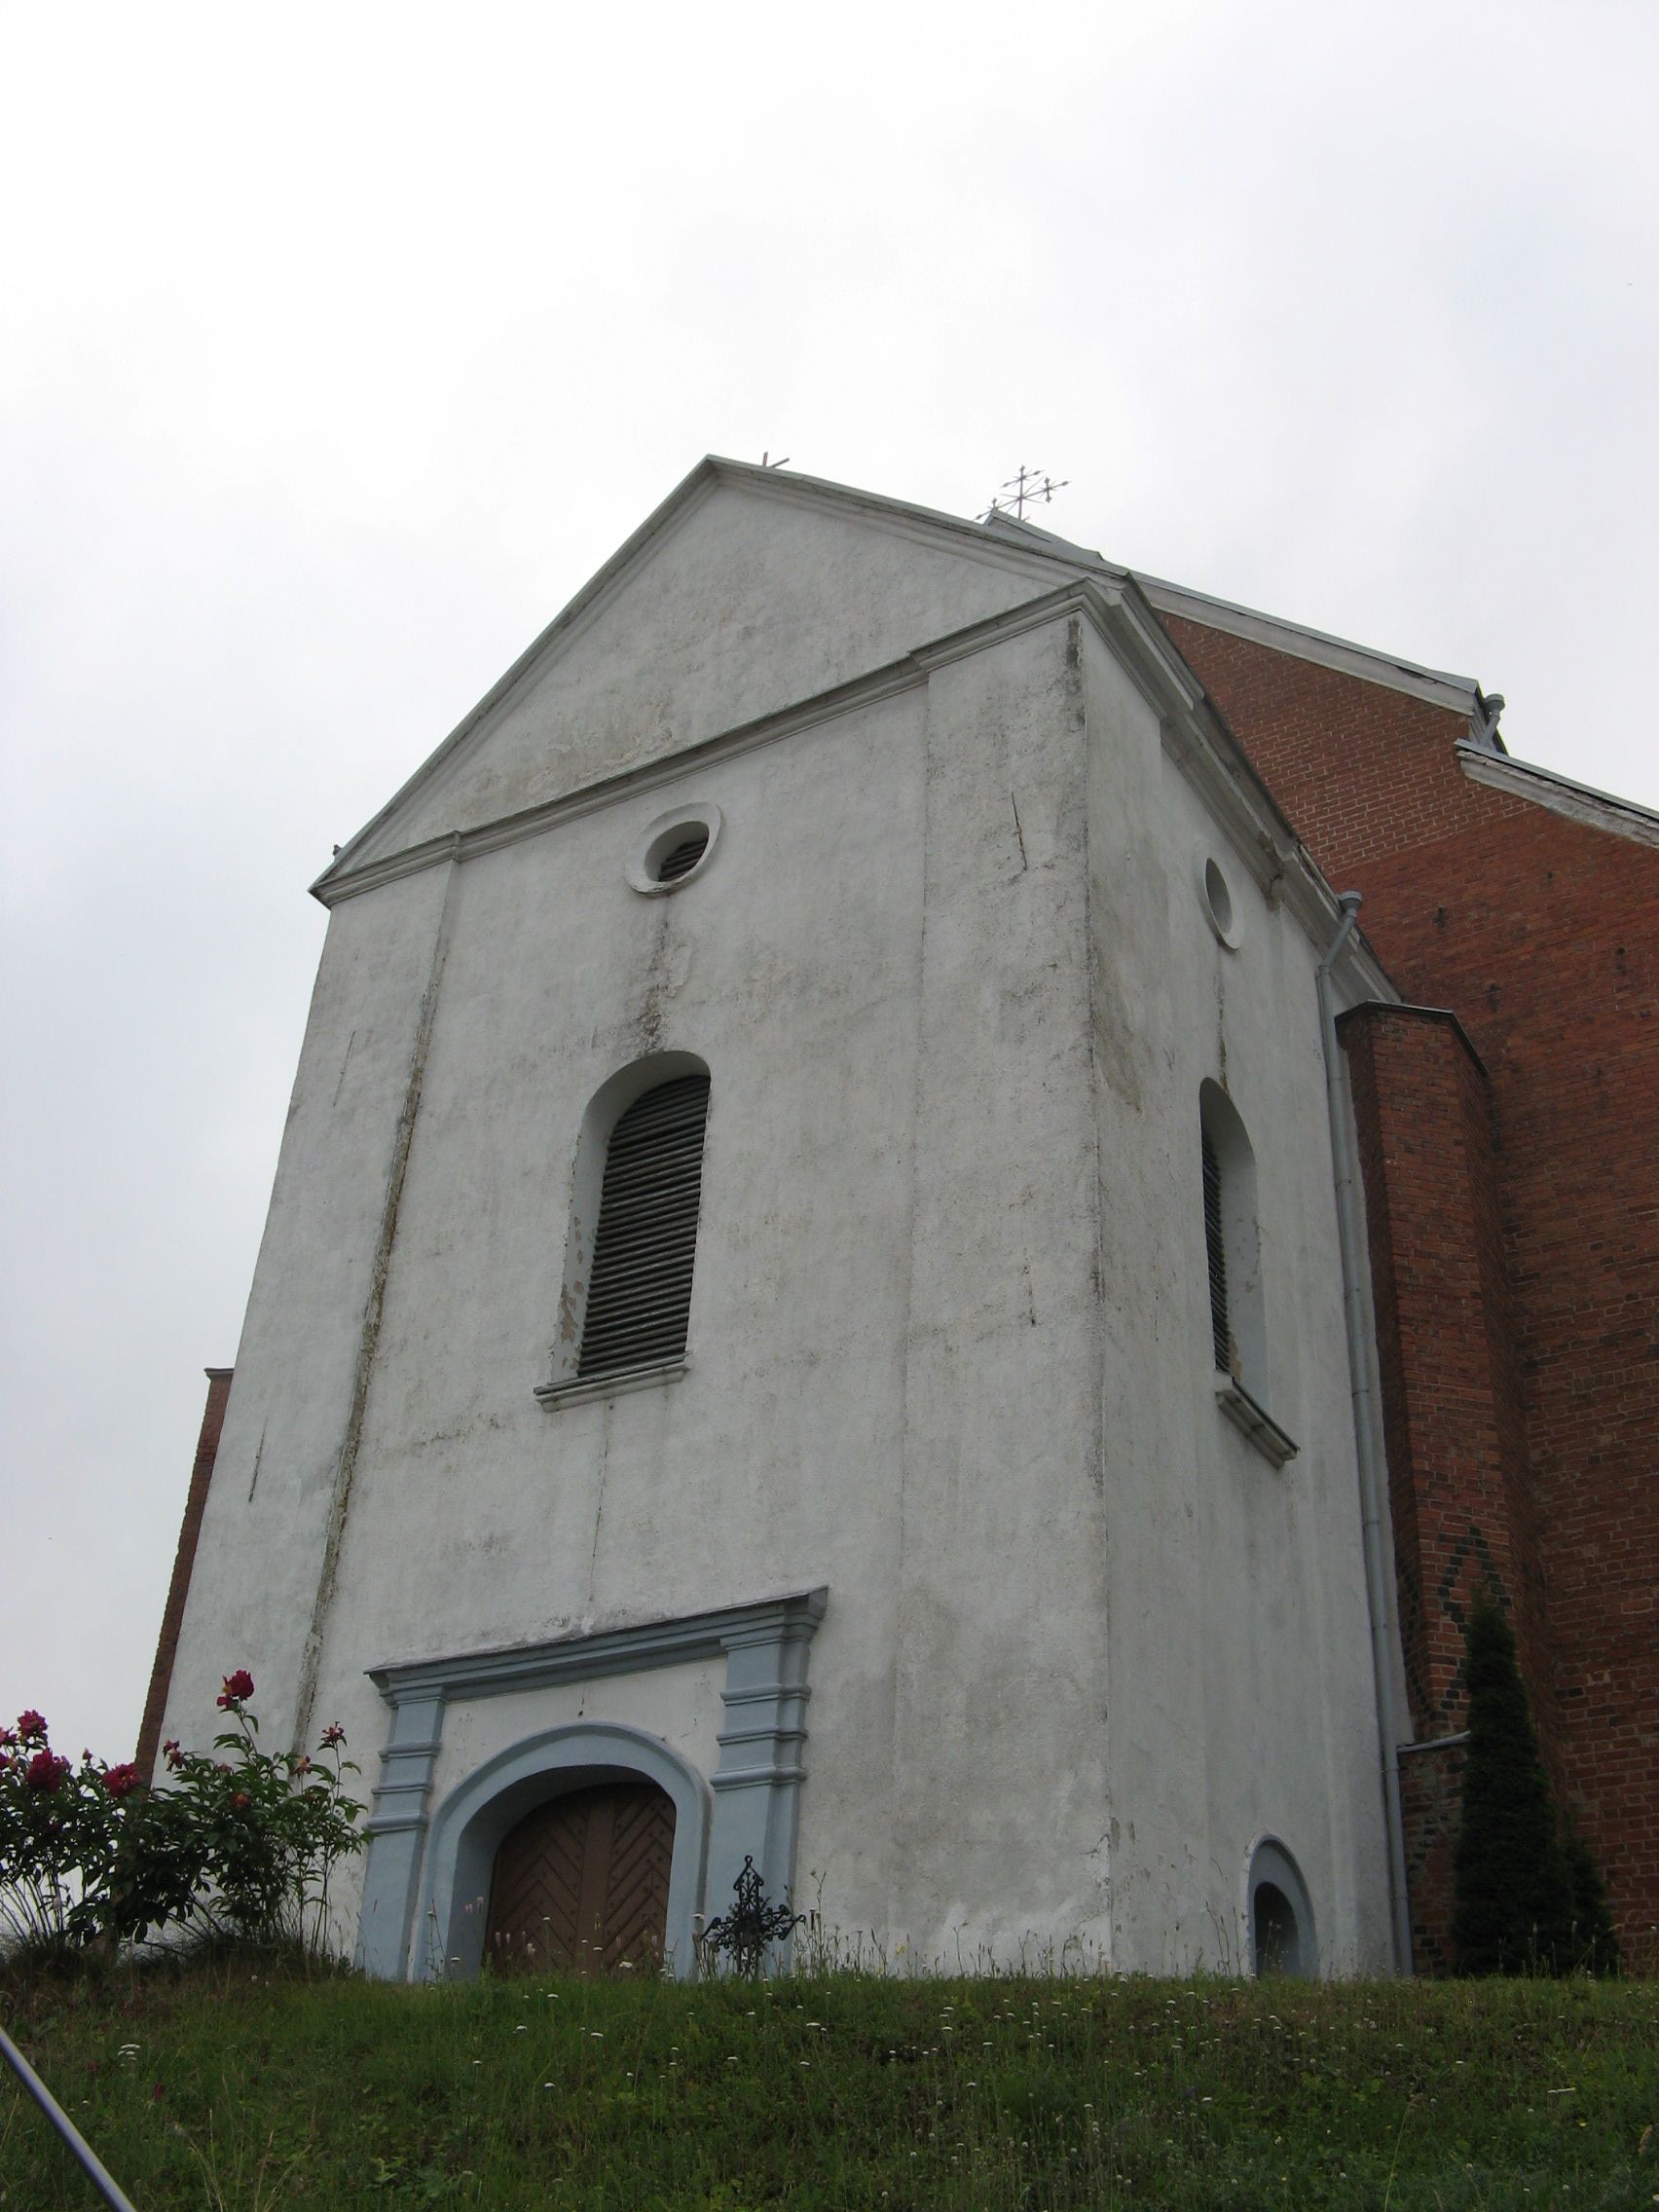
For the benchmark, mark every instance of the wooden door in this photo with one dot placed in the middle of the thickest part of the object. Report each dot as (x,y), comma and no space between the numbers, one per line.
(581,1884)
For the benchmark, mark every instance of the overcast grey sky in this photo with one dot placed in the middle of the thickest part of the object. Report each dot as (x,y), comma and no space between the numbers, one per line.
(339,345)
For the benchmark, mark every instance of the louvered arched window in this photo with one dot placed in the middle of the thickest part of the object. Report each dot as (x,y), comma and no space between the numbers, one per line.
(1215,1255)
(1232,1243)
(636,1195)
(638,1294)
(1233,1261)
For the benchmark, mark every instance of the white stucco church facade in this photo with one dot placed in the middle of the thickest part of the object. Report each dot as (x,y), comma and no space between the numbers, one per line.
(942,1485)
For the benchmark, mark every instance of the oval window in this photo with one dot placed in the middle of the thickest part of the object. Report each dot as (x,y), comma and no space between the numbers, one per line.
(672,850)
(1217,895)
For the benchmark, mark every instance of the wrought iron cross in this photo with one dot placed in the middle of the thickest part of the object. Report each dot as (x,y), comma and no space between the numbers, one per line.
(1023,490)
(750,1927)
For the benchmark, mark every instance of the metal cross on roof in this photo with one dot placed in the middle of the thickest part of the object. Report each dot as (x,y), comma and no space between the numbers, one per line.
(1022,491)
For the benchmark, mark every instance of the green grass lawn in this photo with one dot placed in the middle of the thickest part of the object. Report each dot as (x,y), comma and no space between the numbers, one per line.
(241,2085)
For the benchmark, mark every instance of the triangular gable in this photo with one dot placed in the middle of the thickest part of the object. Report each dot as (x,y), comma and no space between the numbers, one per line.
(746,592)
(748,595)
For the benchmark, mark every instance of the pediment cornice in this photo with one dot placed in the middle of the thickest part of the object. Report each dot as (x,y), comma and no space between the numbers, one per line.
(1195,736)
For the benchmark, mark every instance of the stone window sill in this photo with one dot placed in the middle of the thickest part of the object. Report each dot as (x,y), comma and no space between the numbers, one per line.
(561,1394)
(1254,1421)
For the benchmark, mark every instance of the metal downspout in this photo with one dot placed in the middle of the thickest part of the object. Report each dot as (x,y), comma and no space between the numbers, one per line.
(1367,1442)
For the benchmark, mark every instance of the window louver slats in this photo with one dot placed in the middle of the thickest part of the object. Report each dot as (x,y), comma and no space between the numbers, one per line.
(639,1292)
(653,1263)
(625,1314)
(1215,1252)
(684,858)
(650,1202)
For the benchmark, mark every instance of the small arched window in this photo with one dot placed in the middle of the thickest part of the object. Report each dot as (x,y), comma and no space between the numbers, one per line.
(639,1301)
(1215,1256)
(629,1259)
(1273,1930)
(1232,1243)
(1282,1936)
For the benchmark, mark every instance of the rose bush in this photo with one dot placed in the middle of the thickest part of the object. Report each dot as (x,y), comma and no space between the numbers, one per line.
(58,1832)
(240,1843)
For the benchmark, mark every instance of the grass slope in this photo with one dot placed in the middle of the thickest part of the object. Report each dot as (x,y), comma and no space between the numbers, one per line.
(239,2087)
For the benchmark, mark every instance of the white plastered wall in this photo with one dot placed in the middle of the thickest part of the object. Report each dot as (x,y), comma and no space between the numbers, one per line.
(480,1517)
(1241,1700)
(998,1760)
(255,1574)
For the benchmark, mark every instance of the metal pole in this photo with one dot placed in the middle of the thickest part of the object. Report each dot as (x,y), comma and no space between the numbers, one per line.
(79,2150)
(1373,1475)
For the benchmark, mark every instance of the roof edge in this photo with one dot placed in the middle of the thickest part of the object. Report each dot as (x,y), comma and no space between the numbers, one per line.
(1020,537)
(1461,693)
(1448,1014)
(1562,795)
(697,483)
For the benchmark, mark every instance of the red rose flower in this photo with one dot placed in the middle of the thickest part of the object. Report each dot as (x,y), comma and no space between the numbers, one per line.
(173,1754)
(237,1687)
(332,1733)
(46,1770)
(119,1779)
(30,1725)
(6,1736)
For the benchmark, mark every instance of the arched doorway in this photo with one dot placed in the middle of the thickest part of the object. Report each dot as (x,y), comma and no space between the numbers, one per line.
(581,1884)
(537,1772)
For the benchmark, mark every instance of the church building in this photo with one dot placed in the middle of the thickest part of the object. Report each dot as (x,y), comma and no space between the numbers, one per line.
(878,1270)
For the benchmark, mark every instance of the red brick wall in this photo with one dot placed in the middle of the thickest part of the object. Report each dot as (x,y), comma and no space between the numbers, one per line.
(1360,769)
(1464,1513)
(1543,933)
(1431,1783)
(184,1559)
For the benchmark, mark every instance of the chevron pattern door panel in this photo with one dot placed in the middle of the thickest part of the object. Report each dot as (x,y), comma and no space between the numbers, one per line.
(581,1884)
